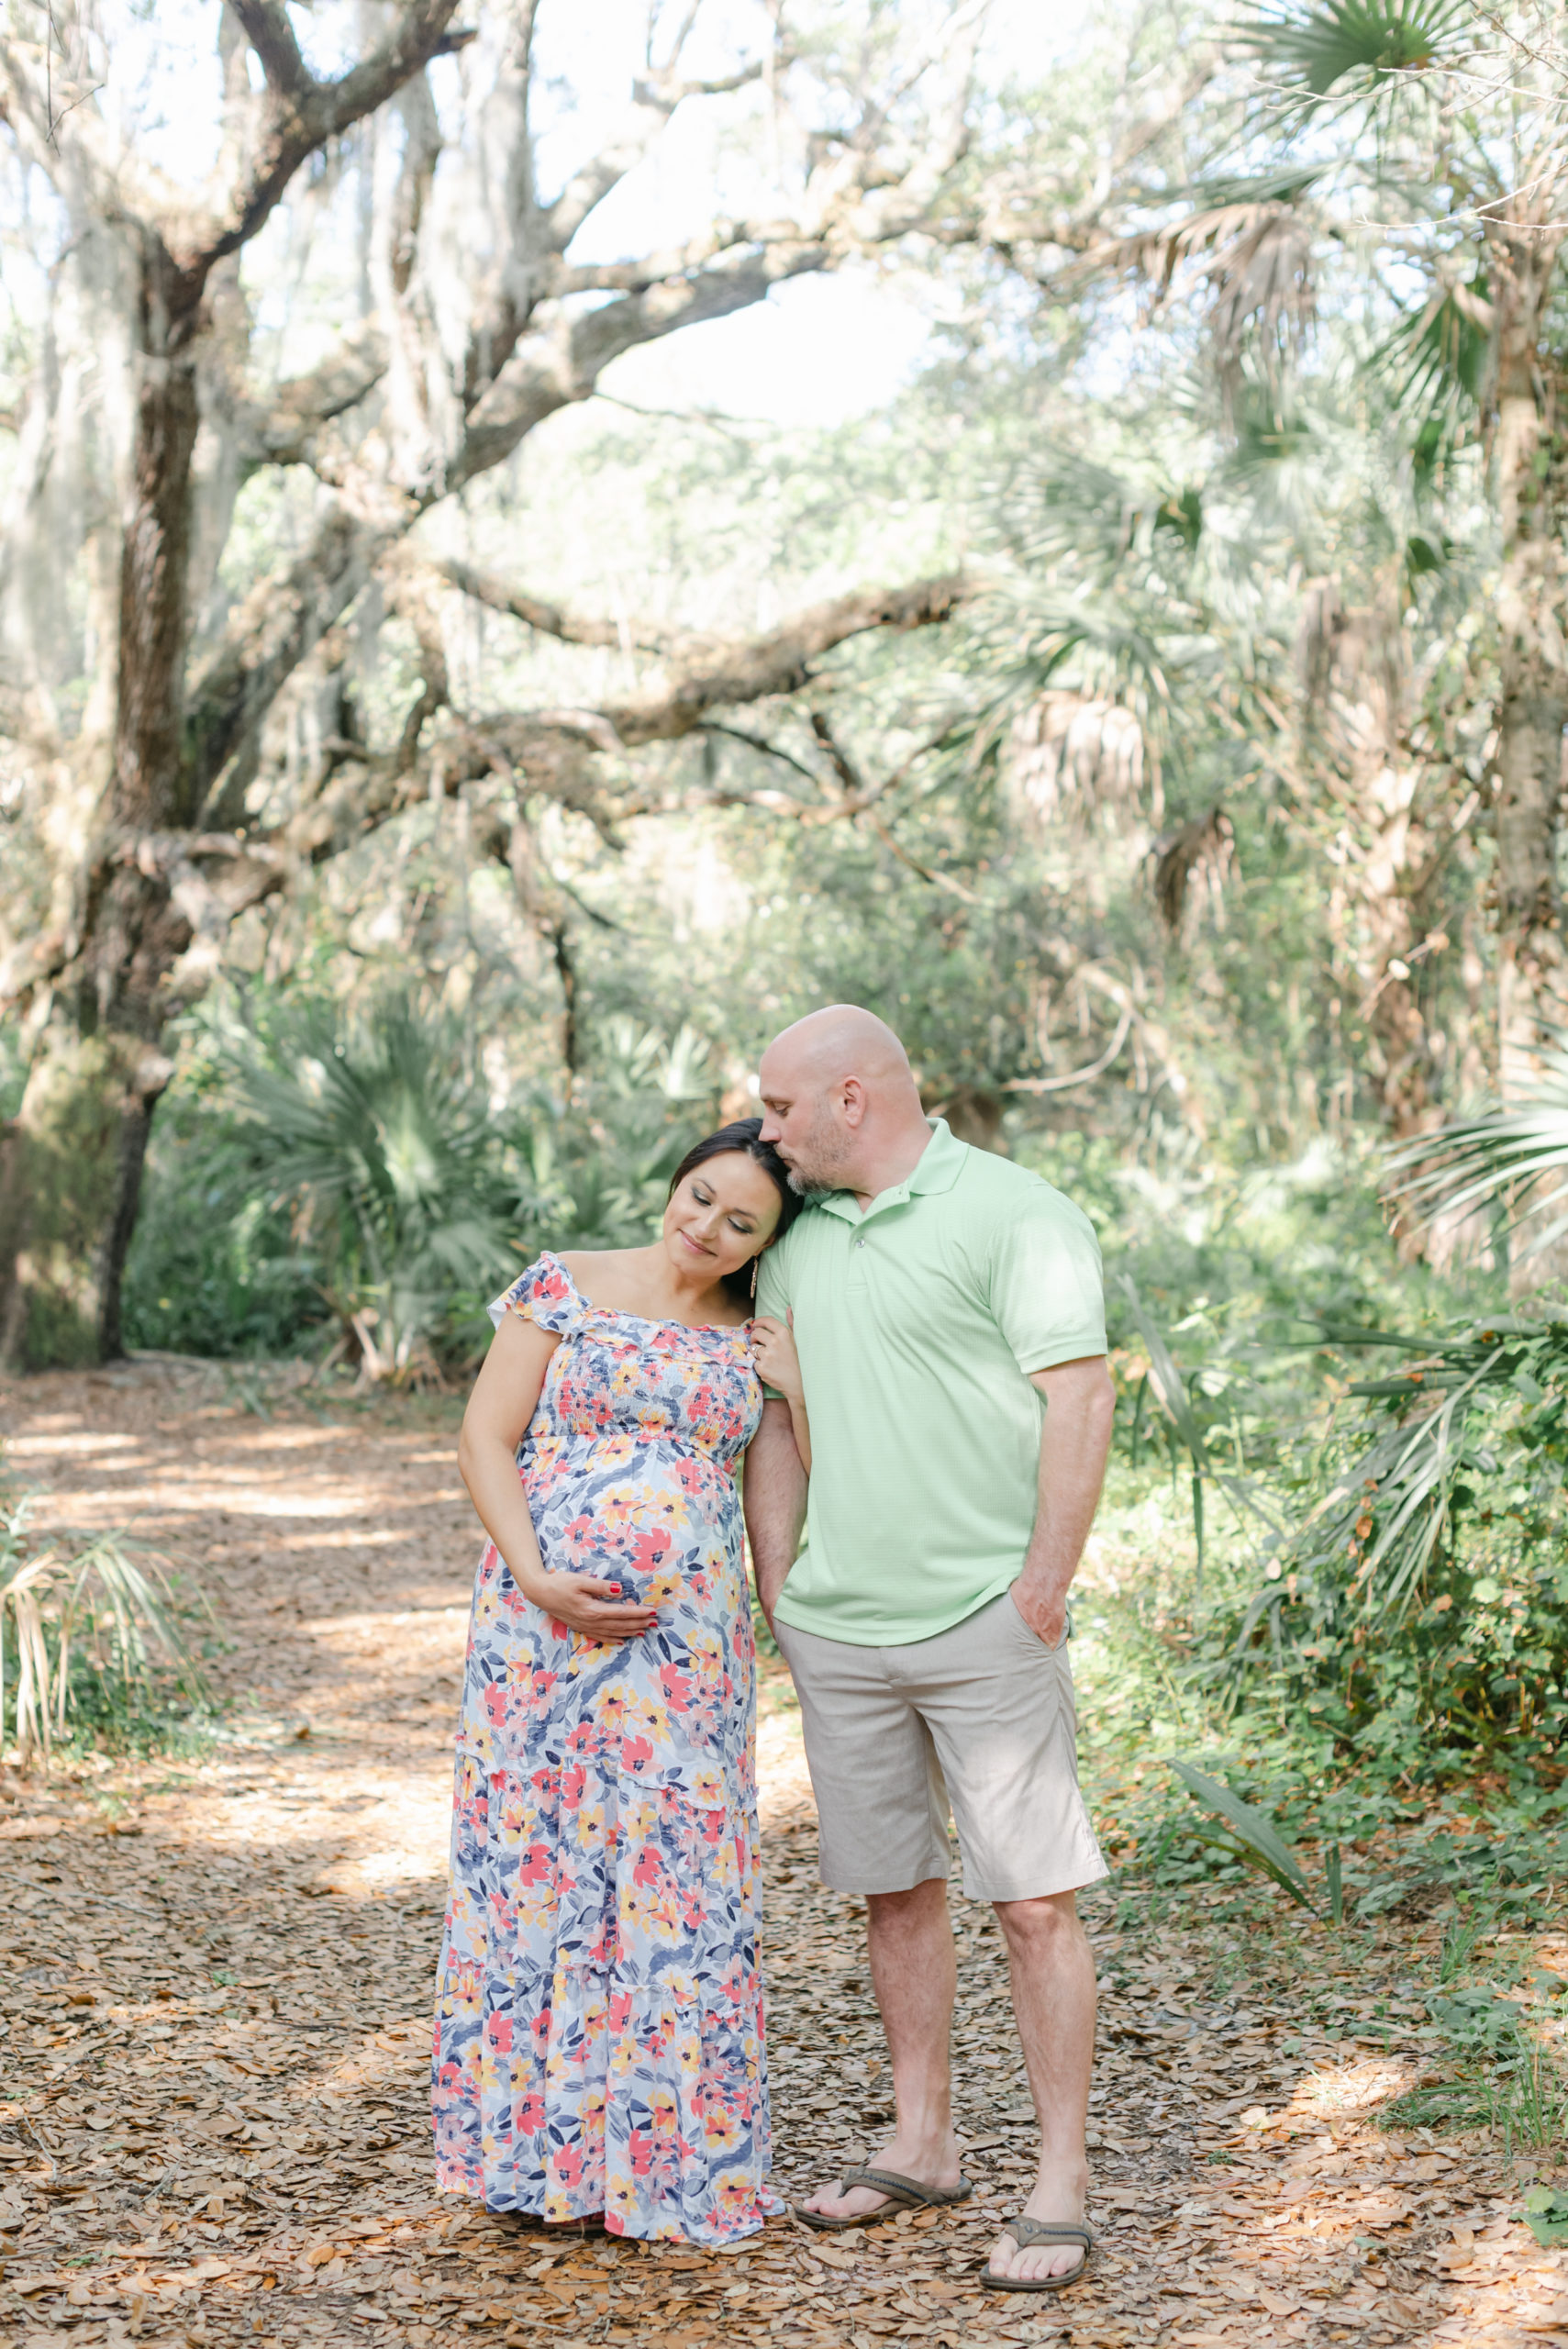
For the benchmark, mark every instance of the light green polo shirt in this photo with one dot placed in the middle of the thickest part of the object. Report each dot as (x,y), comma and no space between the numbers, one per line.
(917,1325)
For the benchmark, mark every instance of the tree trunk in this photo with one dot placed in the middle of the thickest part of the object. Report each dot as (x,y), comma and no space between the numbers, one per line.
(1532,490)
(71,1173)
(70,1179)
(1355,690)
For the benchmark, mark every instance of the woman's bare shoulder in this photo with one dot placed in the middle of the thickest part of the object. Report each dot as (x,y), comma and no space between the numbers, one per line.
(608,1277)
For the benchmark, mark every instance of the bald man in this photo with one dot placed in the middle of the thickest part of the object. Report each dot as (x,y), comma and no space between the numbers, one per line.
(948,1312)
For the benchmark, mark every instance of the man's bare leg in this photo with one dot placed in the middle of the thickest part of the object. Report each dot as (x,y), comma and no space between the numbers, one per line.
(915,1976)
(1052,1970)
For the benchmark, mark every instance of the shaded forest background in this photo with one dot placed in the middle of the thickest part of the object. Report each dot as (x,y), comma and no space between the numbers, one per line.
(442,744)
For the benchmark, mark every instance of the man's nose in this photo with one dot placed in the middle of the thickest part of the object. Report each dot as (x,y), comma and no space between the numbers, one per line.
(771,1128)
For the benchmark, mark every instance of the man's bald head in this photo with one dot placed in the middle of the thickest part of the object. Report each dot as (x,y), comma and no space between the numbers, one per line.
(840,1099)
(842,1040)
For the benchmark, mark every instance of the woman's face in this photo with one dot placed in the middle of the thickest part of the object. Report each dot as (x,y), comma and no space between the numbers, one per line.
(720,1216)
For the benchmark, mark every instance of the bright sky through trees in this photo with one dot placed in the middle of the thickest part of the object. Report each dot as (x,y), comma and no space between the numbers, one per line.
(819,349)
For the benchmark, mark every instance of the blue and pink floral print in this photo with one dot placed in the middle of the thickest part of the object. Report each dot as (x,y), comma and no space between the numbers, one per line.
(598,2041)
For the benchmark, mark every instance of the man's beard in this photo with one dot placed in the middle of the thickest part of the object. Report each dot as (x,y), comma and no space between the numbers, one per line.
(821,1162)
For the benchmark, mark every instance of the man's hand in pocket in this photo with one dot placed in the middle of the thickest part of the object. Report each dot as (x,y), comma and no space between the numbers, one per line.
(1045,1612)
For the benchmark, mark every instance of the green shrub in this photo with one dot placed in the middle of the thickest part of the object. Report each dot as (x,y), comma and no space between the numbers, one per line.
(1418,1607)
(323,1173)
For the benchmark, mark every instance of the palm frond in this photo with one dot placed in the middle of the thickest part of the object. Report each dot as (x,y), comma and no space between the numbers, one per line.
(375,1130)
(1401,1471)
(1433,368)
(1070,754)
(1440,350)
(1372,42)
(1077,510)
(1192,865)
(107,1599)
(1257,1839)
(1255,255)
(1274,437)
(1516,1154)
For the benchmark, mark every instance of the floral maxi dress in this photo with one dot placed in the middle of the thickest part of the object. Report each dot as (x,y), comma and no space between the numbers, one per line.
(598,2037)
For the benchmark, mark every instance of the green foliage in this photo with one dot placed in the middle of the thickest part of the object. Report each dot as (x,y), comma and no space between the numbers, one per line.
(1435,357)
(1420,1608)
(1498,2076)
(599,1173)
(1252,1831)
(214,1269)
(1372,41)
(371,1132)
(1546,2214)
(332,1170)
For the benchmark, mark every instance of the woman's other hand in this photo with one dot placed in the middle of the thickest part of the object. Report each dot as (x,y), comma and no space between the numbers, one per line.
(594,1608)
(772,1350)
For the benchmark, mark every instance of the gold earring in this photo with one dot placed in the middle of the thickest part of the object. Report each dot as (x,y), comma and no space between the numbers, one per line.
(755,1261)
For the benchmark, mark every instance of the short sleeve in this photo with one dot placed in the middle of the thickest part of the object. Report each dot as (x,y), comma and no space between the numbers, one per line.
(545,1295)
(1047,1286)
(773,1296)
(772,1285)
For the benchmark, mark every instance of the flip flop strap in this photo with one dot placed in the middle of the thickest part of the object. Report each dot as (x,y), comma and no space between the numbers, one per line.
(1027,2231)
(908,2191)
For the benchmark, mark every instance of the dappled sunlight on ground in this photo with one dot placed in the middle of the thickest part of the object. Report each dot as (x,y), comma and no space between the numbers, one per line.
(1353,2088)
(217,1974)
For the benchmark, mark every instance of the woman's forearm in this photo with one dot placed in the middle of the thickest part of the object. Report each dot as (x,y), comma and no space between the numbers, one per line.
(489,1469)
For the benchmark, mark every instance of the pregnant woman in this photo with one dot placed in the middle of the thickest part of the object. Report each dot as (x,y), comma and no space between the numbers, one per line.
(598,2043)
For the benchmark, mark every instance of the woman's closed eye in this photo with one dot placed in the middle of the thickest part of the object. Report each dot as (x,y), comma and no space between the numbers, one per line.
(740,1223)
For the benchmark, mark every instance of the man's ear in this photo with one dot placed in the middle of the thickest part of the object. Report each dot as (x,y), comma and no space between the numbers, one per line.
(854,1094)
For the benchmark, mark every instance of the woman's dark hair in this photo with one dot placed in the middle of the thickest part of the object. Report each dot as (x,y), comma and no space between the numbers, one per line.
(743,1138)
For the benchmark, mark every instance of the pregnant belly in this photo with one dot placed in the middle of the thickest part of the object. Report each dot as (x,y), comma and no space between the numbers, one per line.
(655,1525)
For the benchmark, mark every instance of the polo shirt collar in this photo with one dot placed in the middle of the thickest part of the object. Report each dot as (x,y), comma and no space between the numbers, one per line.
(937,1169)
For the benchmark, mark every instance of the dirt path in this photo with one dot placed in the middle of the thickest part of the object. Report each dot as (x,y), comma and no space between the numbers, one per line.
(217,1975)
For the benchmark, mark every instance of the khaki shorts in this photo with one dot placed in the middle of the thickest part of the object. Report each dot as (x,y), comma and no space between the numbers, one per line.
(981,1717)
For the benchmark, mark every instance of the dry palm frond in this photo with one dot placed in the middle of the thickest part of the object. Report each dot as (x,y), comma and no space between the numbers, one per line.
(1069,754)
(1516,1155)
(1255,257)
(57,1602)
(1354,651)
(1192,865)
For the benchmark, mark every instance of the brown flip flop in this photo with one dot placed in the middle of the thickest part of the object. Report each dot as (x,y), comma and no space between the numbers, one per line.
(1025,2232)
(901,2194)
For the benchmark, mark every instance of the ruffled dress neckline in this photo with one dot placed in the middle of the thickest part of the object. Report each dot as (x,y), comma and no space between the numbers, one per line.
(643,1321)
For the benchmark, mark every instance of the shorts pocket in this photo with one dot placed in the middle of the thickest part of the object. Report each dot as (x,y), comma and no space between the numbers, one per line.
(1029,1632)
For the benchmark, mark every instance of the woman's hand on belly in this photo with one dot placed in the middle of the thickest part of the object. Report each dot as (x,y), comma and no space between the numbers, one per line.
(594,1608)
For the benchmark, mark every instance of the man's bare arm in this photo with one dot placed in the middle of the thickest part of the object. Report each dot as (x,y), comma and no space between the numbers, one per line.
(1080,1407)
(775,1502)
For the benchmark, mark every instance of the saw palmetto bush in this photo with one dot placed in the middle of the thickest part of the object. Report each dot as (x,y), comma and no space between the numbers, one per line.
(89,1635)
(327,1167)
(1416,1607)
(372,1131)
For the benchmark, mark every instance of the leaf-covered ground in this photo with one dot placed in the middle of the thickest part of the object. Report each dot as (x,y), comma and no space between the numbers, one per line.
(216,1976)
